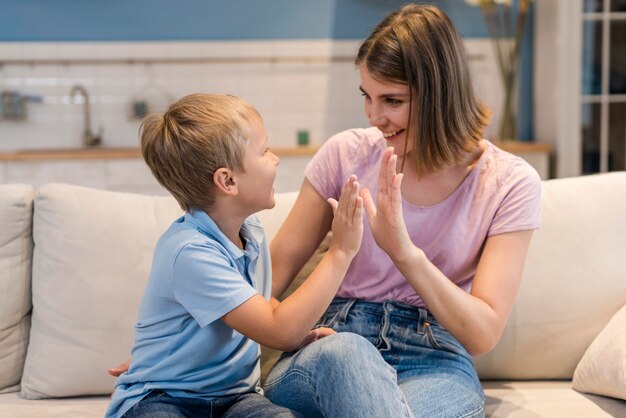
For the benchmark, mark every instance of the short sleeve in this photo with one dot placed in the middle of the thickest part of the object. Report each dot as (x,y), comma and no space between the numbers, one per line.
(520,208)
(324,171)
(206,284)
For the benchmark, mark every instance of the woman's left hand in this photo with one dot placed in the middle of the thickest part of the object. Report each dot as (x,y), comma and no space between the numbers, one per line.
(385,217)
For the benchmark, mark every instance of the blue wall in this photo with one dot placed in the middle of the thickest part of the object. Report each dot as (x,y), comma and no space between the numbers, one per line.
(158,20)
(140,20)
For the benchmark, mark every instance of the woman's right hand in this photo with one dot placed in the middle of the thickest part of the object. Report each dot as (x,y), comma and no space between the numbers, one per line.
(348,219)
(385,217)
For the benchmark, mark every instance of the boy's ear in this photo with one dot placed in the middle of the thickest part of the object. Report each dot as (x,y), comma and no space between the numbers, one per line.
(225,181)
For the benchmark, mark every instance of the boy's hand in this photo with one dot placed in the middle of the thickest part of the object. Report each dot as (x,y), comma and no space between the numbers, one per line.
(314,335)
(348,219)
(118,370)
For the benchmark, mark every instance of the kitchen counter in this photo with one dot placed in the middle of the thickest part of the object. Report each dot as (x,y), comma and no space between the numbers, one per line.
(114,153)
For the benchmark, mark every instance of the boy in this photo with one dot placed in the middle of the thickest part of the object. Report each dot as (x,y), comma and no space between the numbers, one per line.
(207,303)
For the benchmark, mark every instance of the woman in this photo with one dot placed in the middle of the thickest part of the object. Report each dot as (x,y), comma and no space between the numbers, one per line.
(444,243)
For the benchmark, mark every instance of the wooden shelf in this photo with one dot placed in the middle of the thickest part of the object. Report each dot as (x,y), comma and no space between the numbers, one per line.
(115,153)
(519,147)
(514,147)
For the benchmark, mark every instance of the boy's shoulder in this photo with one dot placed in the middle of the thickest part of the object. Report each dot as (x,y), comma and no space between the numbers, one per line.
(193,231)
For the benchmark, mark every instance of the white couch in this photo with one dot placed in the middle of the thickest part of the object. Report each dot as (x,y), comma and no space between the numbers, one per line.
(68,303)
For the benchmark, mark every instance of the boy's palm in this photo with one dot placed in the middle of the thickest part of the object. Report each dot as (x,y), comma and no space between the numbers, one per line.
(348,218)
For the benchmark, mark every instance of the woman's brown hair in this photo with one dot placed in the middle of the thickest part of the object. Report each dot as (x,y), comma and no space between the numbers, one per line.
(418,45)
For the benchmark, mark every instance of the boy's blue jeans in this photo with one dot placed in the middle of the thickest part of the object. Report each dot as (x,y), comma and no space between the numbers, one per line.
(158,404)
(385,356)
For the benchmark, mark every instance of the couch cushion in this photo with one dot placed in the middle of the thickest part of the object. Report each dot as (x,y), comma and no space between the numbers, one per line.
(602,370)
(92,256)
(573,281)
(554,399)
(11,405)
(16,245)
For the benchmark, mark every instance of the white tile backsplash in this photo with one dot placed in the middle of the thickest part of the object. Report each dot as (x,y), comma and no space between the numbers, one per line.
(295,84)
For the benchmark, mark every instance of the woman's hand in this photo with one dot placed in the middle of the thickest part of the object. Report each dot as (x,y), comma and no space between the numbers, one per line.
(385,217)
(348,219)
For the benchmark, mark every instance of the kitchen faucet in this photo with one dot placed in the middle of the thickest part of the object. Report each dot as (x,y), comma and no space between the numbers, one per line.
(89,138)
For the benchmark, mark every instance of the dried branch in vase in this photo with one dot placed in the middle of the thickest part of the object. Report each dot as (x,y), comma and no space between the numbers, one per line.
(505,21)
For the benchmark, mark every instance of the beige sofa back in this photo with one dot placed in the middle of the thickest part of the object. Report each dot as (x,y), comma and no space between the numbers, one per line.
(93,251)
(573,283)
(16,245)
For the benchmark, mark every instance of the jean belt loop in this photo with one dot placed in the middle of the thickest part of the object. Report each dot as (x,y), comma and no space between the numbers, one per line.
(342,315)
(421,320)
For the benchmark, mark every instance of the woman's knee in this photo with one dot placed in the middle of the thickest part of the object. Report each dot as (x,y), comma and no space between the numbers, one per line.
(340,351)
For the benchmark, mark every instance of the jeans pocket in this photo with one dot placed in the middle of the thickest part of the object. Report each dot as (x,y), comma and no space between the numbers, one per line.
(443,340)
(329,319)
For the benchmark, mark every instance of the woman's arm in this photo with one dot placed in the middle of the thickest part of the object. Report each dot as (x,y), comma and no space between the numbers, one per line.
(284,325)
(305,227)
(476,319)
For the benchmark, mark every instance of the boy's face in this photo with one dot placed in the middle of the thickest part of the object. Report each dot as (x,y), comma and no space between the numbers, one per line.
(256,183)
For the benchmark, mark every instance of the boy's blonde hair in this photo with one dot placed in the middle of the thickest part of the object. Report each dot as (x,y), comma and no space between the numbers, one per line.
(198,134)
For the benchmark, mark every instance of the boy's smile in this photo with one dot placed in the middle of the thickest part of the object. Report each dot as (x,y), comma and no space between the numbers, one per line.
(256,183)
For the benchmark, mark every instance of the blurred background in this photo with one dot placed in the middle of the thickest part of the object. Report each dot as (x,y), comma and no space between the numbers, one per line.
(77,77)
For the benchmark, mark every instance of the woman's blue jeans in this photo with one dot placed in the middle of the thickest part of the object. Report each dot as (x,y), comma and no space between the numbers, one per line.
(385,357)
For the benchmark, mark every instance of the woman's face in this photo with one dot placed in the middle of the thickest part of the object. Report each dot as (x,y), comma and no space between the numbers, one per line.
(387,108)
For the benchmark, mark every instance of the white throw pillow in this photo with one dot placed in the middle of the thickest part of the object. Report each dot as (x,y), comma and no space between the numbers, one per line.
(602,370)
(92,257)
(16,246)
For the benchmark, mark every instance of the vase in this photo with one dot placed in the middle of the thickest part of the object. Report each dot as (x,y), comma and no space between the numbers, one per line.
(507,130)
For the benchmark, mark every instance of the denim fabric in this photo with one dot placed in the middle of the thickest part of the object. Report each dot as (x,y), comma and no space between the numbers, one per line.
(158,404)
(349,375)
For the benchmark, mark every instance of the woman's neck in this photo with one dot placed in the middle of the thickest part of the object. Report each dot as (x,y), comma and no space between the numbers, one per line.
(434,187)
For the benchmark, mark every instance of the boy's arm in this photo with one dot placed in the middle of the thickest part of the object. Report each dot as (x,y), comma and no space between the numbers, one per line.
(311,218)
(283,325)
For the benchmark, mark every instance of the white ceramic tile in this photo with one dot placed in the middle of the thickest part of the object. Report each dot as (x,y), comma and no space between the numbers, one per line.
(84,173)
(321,97)
(12,50)
(3,170)
(345,48)
(148,50)
(128,172)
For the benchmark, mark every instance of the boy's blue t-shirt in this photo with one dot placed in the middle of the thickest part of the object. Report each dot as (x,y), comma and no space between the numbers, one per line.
(181,345)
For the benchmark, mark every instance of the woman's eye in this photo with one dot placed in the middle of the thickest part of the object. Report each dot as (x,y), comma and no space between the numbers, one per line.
(394,102)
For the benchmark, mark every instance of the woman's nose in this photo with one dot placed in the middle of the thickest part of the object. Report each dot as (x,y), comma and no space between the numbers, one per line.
(375,117)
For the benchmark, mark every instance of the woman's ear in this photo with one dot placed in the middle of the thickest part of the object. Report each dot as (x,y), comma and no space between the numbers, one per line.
(224,179)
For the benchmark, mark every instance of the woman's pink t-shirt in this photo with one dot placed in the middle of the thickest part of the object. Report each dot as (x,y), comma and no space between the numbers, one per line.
(501,194)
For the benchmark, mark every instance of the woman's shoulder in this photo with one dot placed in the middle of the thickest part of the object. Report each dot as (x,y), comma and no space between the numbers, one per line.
(508,168)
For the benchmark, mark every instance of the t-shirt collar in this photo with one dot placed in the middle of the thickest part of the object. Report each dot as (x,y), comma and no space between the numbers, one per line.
(249,232)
